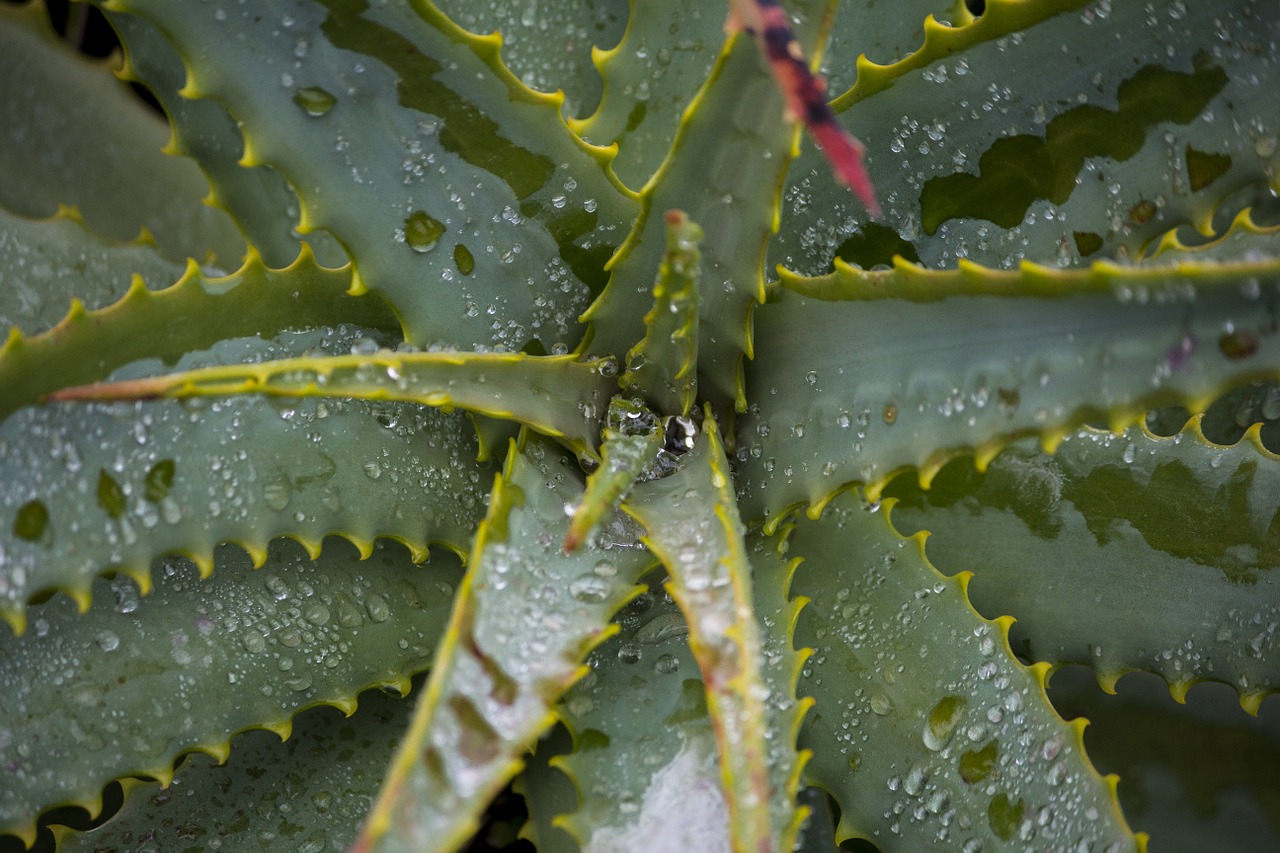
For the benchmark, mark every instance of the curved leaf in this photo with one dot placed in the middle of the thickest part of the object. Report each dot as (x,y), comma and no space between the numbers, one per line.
(308,792)
(74,135)
(926,730)
(663,367)
(257,198)
(558,396)
(644,761)
(47,264)
(911,367)
(1243,238)
(724,170)
(459,191)
(1137,531)
(693,527)
(1080,131)
(551,47)
(524,618)
(196,311)
(127,687)
(869,31)
(650,78)
(133,482)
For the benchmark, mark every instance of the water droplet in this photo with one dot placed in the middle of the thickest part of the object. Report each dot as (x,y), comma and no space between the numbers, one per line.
(942,721)
(666,664)
(314,100)
(589,589)
(422,231)
(915,780)
(108,641)
(463,259)
(377,607)
(110,495)
(276,491)
(629,653)
(299,682)
(253,641)
(31,521)
(881,704)
(159,481)
(317,613)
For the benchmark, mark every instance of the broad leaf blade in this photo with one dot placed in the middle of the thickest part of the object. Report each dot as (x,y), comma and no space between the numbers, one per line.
(75,135)
(459,191)
(926,729)
(196,311)
(257,198)
(724,171)
(307,791)
(133,482)
(1198,776)
(650,78)
(911,366)
(552,50)
(1042,144)
(181,669)
(644,757)
(1137,531)
(47,264)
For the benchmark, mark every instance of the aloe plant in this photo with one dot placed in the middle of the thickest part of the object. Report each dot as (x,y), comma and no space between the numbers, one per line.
(533,347)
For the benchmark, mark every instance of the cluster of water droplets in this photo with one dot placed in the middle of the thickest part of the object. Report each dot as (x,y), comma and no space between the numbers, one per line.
(129,481)
(977,757)
(142,679)
(39,261)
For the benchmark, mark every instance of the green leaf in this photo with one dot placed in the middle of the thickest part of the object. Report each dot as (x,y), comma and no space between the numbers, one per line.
(869,32)
(171,673)
(650,77)
(633,441)
(555,395)
(190,480)
(926,730)
(725,170)
(1060,148)
(547,791)
(663,367)
(693,527)
(1244,237)
(257,198)
(547,55)
(1137,531)
(308,791)
(644,762)
(196,311)
(405,138)
(46,264)
(525,617)
(86,140)
(910,367)
(1197,776)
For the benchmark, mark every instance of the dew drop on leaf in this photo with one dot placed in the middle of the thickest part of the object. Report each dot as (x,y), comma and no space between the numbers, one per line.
(314,100)
(589,589)
(31,521)
(422,231)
